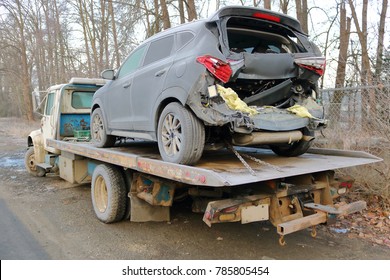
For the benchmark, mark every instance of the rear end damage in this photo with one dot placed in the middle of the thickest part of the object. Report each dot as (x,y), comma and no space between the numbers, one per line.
(271,66)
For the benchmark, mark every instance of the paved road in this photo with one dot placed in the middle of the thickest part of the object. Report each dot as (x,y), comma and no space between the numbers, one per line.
(16,241)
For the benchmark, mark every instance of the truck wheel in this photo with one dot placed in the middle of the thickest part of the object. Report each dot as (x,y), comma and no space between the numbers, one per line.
(294,149)
(29,162)
(98,130)
(108,192)
(180,135)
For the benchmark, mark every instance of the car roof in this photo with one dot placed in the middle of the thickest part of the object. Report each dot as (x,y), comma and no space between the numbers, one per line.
(257,13)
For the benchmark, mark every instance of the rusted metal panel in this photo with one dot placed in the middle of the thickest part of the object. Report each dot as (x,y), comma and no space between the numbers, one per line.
(230,210)
(154,191)
(301,223)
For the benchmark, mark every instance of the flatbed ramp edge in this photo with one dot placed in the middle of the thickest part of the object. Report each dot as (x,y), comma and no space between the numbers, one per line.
(218,168)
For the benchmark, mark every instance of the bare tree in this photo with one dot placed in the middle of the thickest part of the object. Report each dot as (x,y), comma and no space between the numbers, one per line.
(381,36)
(302,13)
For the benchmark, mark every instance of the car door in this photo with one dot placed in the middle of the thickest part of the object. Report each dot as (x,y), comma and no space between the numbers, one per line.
(118,97)
(149,81)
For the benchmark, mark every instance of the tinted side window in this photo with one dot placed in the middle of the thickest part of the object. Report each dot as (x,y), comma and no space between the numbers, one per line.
(183,38)
(49,103)
(132,63)
(159,49)
(82,99)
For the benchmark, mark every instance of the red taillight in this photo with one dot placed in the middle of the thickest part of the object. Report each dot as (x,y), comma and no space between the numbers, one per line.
(266,17)
(220,69)
(315,64)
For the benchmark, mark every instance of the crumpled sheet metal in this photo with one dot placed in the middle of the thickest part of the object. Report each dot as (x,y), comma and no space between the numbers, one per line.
(234,102)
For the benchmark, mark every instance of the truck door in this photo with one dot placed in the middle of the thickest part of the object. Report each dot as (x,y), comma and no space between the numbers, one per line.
(48,121)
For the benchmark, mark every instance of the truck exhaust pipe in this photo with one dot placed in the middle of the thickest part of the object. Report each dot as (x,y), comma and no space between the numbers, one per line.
(266,138)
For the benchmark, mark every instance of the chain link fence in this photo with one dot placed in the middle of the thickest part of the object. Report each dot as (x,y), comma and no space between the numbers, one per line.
(359,119)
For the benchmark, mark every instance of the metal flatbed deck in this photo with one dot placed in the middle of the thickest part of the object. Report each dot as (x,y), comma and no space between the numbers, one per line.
(217,168)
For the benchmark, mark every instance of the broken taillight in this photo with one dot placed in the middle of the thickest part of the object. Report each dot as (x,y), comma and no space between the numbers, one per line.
(315,64)
(220,69)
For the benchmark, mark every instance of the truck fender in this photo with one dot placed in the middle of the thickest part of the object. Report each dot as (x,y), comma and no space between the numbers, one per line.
(35,139)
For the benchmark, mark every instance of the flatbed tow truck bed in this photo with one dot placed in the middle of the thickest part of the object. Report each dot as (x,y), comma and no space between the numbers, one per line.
(218,168)
(294,193)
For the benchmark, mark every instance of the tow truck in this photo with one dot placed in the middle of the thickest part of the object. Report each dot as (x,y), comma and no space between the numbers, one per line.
(233,184)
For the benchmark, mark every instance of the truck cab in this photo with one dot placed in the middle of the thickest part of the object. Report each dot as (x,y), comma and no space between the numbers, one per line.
(65,115)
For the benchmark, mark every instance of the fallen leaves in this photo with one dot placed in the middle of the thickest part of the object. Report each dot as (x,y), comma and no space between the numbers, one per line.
(372,224)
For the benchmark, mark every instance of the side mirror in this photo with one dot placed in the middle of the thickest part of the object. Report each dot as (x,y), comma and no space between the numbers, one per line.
(108,74)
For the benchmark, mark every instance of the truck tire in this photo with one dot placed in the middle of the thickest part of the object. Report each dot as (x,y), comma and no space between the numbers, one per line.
(99,132)
(29,162)
(108,192)
(180,135)
(295,149)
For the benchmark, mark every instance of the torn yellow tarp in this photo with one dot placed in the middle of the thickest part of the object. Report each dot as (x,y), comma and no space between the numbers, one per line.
(300,111)
(234,102)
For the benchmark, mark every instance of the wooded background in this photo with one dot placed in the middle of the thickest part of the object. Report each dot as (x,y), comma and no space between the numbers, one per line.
(45,42)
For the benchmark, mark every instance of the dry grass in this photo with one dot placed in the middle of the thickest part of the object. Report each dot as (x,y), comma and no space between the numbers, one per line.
(17,127)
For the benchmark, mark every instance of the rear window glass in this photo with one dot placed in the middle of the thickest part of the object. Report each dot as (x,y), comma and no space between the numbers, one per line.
(254,36)
(183,38)
(82,99)
(159,49)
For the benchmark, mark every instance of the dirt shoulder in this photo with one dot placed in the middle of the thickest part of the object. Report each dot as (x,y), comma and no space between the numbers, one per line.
(59,216)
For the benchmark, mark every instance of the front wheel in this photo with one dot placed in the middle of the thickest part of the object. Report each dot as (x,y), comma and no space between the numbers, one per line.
(180,134)
(99,132)
(29,162)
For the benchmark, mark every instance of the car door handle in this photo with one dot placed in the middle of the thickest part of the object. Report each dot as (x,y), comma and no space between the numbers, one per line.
(126,85)
(160,73)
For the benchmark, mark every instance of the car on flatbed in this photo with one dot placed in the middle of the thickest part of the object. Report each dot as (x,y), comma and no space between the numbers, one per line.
(230,78)
(131,181)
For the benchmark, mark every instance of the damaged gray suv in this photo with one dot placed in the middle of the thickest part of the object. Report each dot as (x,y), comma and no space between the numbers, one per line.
(244,76)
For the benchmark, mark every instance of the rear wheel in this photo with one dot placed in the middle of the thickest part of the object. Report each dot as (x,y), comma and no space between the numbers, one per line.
(99,132)
(295,149)
(108,192)
(29,162)
(180,134)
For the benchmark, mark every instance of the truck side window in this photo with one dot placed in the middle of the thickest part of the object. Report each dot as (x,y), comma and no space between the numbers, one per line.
(82,99)
(159,49)
(49,103)
(132,62)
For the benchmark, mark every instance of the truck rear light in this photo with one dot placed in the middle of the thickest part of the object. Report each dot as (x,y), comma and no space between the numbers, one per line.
(266,17)
(315,64)
(220,69)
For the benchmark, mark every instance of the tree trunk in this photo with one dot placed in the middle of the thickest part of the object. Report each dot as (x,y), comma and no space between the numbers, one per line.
(381,35)
(181,12)
(191,9)
(302,12)
(26,84)
(284,6)
(114,34)
(267,4)
(345,29)
(165,15)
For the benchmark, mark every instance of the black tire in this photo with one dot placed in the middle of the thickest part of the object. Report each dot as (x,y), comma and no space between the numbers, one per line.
(294,149)
(99,135)
(108,192)
(180,135)
(30,164)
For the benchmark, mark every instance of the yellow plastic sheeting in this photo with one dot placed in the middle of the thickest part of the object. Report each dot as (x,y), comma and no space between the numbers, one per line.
(234,102)
(300,111)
